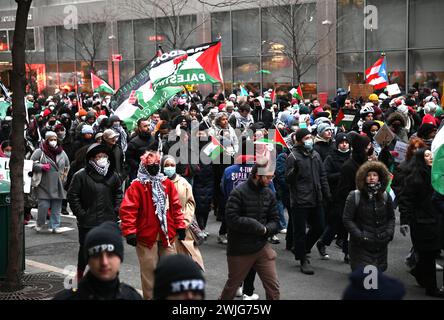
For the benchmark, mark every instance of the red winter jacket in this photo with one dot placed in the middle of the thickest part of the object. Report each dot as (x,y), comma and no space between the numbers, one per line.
(138,215)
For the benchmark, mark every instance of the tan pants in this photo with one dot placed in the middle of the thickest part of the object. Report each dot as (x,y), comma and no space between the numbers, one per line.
(264,262)
(148,259)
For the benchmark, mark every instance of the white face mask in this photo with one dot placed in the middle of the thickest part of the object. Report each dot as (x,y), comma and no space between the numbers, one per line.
(102,162)
(8,154)
(53,144)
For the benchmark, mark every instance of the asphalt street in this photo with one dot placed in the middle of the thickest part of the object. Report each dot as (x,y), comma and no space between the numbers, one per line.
(328,282)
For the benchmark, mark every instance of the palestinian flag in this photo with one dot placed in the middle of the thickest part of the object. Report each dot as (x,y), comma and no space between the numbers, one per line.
(199,67)
(4,105)
(297,93)
(99,85)
(389,188)
(276,138)
(273,96)
(213,149)
(151,98)
(438,162)
(339,117)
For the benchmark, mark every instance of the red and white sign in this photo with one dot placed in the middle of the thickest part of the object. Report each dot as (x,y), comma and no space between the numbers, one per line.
(117,57)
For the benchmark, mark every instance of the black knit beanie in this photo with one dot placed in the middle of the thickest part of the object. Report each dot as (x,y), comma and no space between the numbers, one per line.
(341,136)
(301,133)
(105,237)
(175,274)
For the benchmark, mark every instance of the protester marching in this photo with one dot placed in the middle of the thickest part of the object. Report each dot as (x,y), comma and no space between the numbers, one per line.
(152,160)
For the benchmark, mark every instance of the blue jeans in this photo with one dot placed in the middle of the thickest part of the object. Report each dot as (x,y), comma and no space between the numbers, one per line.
(303,241)
(56,208)
(282,221)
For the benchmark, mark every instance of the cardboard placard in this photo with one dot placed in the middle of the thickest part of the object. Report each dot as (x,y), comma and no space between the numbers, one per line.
(360,90)
(384,136)
(27,168)
(349,118)
(400,151)
(393,89)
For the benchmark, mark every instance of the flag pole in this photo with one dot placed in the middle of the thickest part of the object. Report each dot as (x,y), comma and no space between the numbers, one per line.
(219,38)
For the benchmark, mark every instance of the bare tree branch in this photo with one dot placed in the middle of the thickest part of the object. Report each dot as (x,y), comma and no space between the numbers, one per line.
(300,45)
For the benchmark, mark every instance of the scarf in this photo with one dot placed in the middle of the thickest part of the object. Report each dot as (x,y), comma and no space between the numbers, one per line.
(373,189)
(100,170)
(51,152)
(243,122)
(123,137)
(159,197)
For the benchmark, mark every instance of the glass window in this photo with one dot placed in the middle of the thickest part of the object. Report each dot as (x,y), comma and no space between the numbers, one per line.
(84,42)
(50,43)
(226,70)
(83,76)
(307,71)
(305,27)
(144,39)
(221,25)
(350,30)
(101,41)
(29,39)
(165,35)
(52,81)
(391,31)
(426,23)
(274,39)
(65,43)
(4,40)
(350,69)
(280,69)
(246,32)
(67,74)
(395,66)
(245,70)
(30,43)
(126,41)
(126,70)
(139,64)
(426,69)
(187,31)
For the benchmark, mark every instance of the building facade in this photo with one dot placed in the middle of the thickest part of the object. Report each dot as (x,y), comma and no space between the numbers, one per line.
(68,39)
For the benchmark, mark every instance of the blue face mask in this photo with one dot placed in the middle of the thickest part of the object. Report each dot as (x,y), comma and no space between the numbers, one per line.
(169,171)
(308,145)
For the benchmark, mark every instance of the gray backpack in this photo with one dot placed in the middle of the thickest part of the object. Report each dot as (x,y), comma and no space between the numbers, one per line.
(358,197)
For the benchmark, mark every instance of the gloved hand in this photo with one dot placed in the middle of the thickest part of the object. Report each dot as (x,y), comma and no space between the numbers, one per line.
(131,239)
(181,234)
(404,229)
(46,167)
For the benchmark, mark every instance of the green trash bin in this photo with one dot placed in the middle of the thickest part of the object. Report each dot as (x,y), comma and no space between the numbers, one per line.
(5,213)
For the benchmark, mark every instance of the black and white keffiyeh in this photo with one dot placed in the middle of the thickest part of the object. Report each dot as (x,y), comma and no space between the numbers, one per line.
(159,197)
(102,171)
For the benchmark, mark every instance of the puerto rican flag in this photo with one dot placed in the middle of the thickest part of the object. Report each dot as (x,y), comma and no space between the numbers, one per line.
(376,75)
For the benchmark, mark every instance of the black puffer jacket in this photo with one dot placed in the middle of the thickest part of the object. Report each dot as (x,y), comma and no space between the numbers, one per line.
(371,222)
(136,148)
(307,178)
(250,208)
(323,147)
(94,198)
(333,164)
(90,288)
(418,211)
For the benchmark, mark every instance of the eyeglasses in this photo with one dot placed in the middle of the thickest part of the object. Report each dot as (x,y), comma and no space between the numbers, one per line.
(269,177)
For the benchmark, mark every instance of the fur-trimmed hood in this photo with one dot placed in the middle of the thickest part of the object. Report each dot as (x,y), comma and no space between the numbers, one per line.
(397,116)
(376,166)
